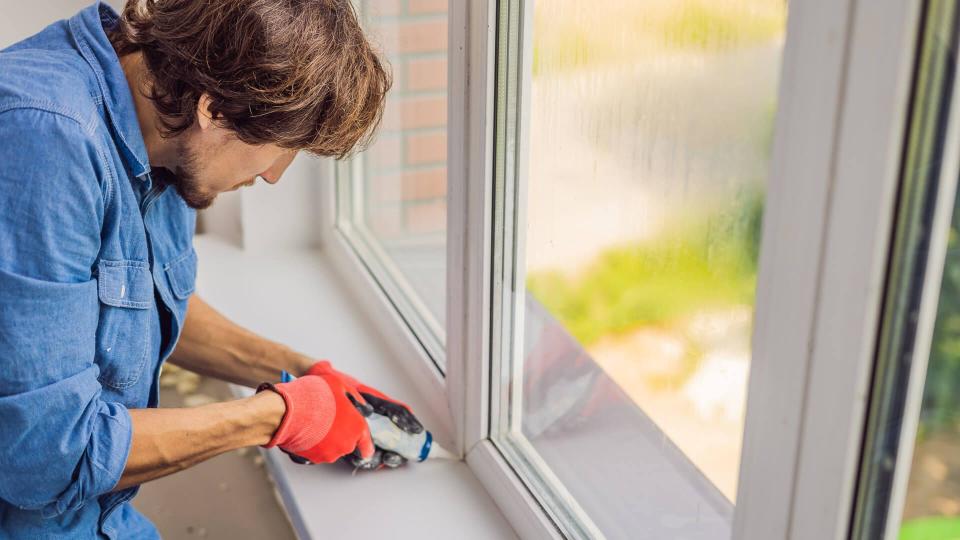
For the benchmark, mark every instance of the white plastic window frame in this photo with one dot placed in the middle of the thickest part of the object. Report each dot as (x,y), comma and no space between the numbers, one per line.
(349,218)
(392,307)
(922,241)
(833,180)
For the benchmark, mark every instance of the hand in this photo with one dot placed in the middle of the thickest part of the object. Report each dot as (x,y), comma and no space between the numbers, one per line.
(321,423)
(398,412)
(395,410)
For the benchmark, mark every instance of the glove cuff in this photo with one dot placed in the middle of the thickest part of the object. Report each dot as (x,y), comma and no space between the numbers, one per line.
(270,386)
(310,413)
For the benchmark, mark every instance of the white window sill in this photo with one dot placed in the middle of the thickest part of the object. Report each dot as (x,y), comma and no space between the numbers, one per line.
(295,298)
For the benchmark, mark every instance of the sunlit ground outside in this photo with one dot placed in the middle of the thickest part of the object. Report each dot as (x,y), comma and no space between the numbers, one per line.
(651,125)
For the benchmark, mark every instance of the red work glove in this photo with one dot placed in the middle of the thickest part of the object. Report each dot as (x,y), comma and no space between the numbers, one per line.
(397,411)
(322,423)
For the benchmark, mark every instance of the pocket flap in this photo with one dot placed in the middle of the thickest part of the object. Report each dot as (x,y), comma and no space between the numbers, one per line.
(125,284)
(182,274)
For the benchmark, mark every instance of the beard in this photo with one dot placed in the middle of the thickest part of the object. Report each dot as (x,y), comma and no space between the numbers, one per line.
(185,178)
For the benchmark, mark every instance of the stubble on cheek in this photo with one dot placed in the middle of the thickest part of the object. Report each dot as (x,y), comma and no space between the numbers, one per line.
(185,179)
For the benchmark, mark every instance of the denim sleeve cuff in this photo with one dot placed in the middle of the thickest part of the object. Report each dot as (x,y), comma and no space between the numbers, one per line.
(103,462)
(114,438)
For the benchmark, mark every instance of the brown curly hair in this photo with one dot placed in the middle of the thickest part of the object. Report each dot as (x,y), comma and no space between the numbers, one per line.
(296,73)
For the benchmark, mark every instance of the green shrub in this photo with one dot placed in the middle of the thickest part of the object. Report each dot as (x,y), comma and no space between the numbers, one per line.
(695,264)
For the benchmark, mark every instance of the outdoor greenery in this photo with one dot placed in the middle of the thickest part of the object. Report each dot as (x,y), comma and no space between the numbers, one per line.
(941,399)
(931,528)
(710,25)
(694,264)
(573,35)
(702,258)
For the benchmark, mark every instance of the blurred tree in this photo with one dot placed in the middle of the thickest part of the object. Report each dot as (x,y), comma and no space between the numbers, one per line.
(941,395)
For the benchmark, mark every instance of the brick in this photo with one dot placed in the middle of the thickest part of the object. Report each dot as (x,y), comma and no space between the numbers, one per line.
(417,7)
(410,36)
(385,221)
(420,112)
(396,66)
(381,8)
(385,188)
(424,184)
(384,153)
(424,36)
(425,74)
(426,217)
(426,148)
(391,115)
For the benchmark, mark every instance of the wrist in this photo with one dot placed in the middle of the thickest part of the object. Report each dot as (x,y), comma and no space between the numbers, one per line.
(302,364)
(266,412)
(295,363)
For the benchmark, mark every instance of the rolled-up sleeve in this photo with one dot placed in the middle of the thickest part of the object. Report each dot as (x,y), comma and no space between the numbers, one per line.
(61,444)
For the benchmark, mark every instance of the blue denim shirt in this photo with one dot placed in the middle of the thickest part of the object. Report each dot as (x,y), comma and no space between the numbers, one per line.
(96,266)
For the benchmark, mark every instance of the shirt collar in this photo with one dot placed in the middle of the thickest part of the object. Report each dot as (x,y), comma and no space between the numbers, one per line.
(88,29)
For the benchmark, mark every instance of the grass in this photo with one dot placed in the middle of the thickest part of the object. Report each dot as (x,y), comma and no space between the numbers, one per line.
(696,264)
(931,528)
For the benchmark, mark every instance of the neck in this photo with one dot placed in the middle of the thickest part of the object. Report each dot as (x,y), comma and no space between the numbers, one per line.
(160,150)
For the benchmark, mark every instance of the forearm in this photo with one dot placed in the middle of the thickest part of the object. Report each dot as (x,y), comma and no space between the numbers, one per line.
(166,441)
(212,345)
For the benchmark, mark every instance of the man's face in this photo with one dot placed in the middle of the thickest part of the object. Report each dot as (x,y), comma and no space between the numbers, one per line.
(211,161)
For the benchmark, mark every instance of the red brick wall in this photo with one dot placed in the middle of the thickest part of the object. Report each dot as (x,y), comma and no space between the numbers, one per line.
(405,169)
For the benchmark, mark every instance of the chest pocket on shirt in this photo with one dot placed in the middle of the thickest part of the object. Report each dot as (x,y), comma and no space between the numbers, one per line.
(182,274)
(125,289)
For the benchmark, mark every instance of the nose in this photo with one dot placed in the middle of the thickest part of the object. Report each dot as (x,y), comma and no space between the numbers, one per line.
(273,174)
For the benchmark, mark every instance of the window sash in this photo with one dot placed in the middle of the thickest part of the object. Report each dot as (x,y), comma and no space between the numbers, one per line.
(925,211)
(820,403)
(404,345)
(510,160)
(833,182)
(820,125)
(350,222)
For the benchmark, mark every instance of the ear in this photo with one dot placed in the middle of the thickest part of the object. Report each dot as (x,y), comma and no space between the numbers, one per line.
(204,115)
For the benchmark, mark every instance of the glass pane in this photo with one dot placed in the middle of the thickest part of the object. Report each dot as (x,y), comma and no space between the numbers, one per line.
(649,136)
(932,507)
(400,185)
(923,496)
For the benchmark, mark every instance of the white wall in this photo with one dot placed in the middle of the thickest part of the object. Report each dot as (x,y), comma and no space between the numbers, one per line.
(264,218)
(20,19)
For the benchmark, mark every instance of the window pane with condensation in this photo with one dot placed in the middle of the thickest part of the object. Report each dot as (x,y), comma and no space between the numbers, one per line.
(404,176)
(650,133)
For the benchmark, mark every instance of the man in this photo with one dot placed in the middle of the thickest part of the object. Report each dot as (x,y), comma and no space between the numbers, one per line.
(112,131)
